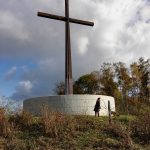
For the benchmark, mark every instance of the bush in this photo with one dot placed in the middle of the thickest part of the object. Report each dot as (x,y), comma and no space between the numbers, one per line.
(5,127)
(118,132)
(57,125)
(17,144)
(145,109)
(21,120)
(2,120)
(87,122)
(141,129)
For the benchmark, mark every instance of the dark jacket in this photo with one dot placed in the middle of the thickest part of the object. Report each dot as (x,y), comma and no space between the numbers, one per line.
(97,106)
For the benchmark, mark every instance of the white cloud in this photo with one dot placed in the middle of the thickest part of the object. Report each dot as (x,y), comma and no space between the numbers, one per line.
(83,45)
(145,13)
(11,73)
(119,30)
(24,86)
(23,90)
(11,26)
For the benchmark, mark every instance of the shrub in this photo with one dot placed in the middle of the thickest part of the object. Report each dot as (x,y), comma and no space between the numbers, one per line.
(57,125)
(87,122)
(117,131)
(17,144)
(145,109)
(2,120)
(141,129)
(26,119)
(2,115)
(21,120)
(5,128)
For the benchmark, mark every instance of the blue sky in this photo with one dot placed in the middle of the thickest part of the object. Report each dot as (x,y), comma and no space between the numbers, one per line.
(11,72)
(32,51)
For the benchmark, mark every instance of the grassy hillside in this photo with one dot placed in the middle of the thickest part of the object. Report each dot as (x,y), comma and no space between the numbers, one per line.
(54,131)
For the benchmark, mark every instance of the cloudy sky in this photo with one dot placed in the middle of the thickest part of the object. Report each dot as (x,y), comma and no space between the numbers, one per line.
(32,49)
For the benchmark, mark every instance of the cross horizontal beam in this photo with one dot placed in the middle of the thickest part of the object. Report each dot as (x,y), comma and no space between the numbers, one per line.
(61,18)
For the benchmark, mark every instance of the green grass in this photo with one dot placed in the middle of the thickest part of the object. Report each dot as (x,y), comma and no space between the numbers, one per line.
(124,119)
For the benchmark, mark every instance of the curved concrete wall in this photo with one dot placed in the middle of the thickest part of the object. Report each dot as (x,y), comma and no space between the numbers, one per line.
(69,104)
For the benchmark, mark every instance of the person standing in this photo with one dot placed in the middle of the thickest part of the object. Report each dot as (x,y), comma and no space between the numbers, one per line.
(97,107)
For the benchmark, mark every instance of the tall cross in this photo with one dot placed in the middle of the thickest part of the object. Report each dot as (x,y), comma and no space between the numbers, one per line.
(68,62)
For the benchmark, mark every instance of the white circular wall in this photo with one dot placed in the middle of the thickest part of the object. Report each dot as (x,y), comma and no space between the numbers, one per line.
(69,104)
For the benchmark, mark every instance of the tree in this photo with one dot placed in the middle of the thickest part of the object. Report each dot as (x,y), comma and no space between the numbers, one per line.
(144,69)
(86,84)
(60,88)
(128,86)
(136,83)
(124,83)
(107,84)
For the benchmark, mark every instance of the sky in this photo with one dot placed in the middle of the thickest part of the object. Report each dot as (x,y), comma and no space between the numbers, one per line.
(32,49)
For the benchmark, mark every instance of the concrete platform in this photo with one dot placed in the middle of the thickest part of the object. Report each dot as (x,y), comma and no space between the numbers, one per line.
(69,104)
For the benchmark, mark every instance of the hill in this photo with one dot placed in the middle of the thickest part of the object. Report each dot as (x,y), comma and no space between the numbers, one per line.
(54,131)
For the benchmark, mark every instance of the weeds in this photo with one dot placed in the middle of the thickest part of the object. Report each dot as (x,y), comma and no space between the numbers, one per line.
(141,129)
(117,131)
(57,125)
(5,127)
(53,130)
(2,121)
(22,120)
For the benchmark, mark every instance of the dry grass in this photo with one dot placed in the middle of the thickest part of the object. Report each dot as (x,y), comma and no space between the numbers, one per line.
(140,128)
(55,131)
(57,125)
(5,126)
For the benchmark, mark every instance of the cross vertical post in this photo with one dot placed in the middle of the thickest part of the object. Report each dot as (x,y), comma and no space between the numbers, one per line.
(68,63)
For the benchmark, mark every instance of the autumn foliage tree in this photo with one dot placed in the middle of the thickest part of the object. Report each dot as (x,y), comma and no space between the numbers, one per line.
(130,86)
(108,86)
(123,80)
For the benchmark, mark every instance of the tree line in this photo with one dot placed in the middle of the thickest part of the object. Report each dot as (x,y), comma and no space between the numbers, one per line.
(130,86)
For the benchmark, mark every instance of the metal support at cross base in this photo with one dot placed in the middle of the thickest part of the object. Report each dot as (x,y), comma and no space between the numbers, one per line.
(68,61)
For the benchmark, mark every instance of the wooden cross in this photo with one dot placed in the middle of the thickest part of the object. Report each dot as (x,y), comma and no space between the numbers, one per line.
(68,62)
